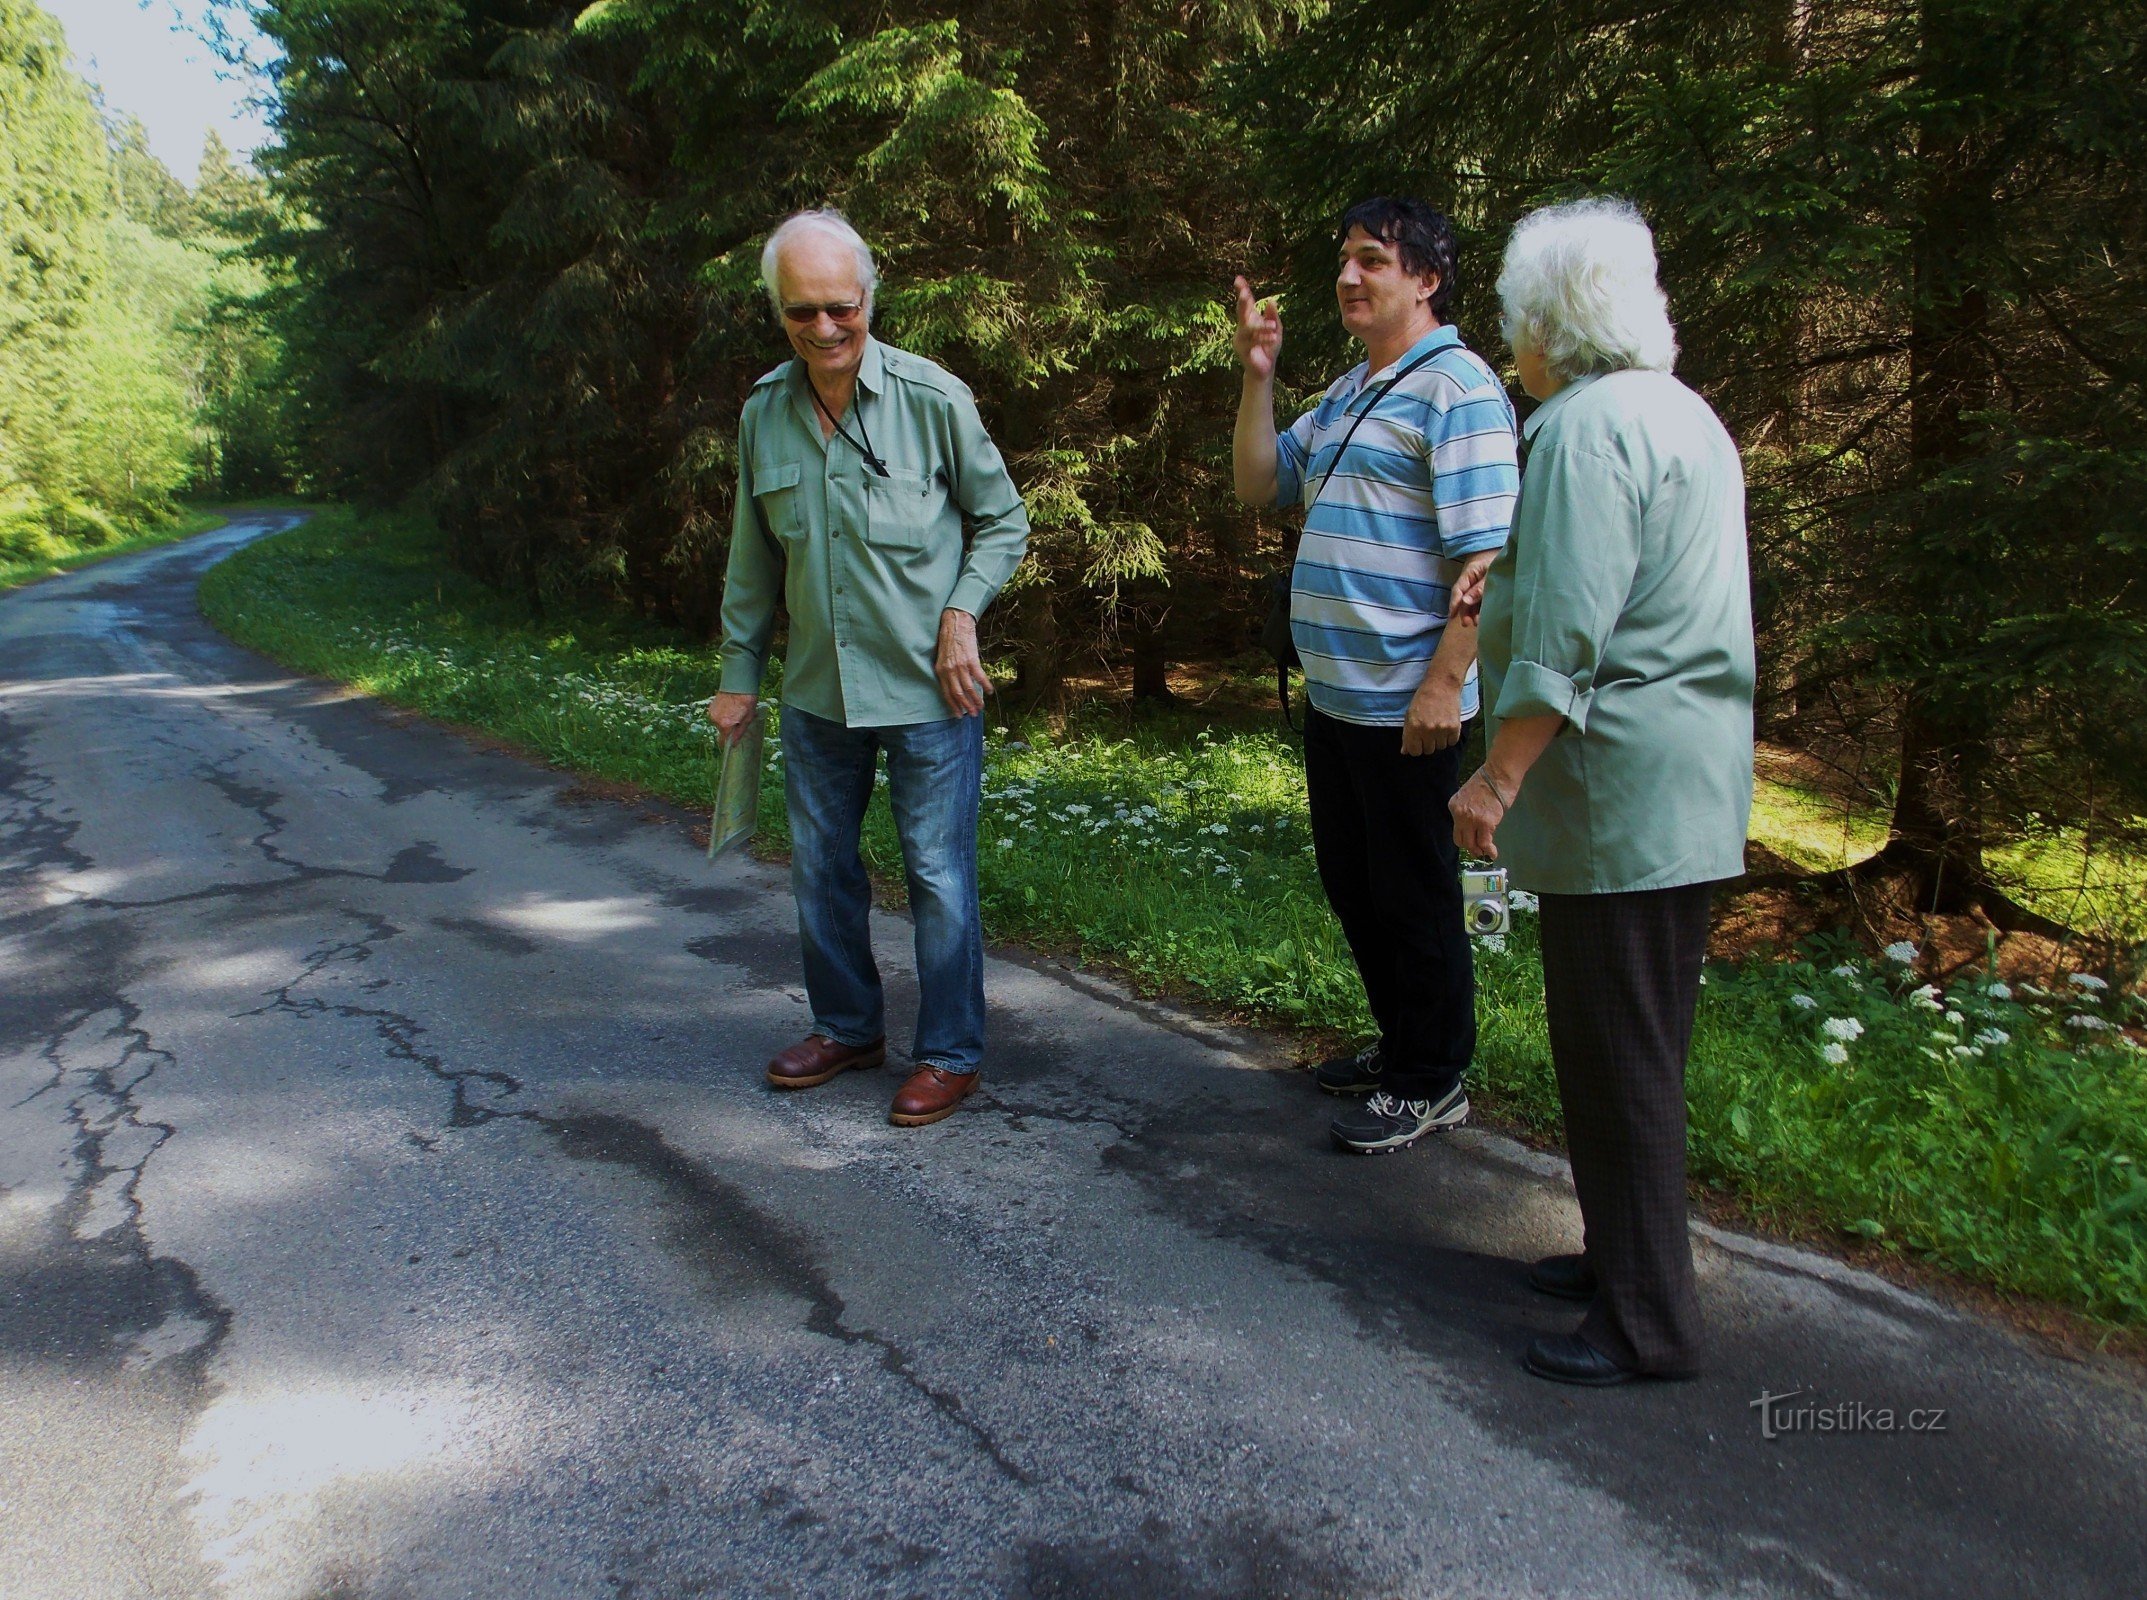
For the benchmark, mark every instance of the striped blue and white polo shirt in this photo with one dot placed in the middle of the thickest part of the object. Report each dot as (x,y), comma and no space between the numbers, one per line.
(1430,479)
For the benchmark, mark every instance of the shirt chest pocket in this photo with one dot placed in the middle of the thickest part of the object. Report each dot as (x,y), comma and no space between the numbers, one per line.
(775,487)
(903,508)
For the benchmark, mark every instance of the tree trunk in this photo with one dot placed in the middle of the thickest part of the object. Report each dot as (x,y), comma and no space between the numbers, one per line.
(1151,661)
(1936,835)
(1937,828)
(1039,670)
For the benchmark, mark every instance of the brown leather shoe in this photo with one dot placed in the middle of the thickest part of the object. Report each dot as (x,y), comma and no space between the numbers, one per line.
(815,1059)
(930,1093)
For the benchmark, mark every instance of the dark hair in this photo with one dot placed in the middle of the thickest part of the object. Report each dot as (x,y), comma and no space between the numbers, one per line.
(1422,237)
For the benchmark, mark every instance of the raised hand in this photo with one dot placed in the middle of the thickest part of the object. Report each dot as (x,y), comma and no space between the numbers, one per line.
(1258,335)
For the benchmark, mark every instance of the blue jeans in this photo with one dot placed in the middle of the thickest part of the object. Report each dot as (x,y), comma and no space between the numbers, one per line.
(935,771)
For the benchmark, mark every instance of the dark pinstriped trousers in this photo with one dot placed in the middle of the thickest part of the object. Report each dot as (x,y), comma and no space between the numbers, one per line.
(1621,977)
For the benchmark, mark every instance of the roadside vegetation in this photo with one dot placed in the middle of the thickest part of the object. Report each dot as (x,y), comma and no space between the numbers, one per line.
(136,370)
(1995,1131)
(63,555)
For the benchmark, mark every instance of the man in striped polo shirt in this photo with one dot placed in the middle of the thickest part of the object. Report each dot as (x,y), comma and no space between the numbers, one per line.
(1406,469)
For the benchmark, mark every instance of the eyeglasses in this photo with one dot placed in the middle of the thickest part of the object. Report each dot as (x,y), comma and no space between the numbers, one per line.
(841,311)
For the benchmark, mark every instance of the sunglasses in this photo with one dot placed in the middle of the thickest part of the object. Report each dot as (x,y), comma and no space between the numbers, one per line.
(841,311)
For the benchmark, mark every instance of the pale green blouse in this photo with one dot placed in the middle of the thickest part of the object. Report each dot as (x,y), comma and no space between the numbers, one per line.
(1623,604)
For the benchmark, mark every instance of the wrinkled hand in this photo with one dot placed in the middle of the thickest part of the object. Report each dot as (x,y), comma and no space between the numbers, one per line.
(733,714)
(1465,601)
(962,683)
(1477,813)
(1258,335)
(1434,720)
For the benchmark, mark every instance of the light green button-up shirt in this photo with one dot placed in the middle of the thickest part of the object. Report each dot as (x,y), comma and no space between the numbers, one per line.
(867,562)
(1623,604)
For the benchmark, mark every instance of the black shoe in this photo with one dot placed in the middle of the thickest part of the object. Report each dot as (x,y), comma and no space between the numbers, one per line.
(1568,1358)
(1567,1277)
(1388,1122)
(1357,1074)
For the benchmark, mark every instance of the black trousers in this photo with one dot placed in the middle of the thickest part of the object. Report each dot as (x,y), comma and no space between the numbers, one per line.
(1621,978)
(1384,841)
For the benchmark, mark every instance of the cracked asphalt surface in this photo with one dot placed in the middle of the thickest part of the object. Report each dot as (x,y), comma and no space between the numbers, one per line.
(391,1207)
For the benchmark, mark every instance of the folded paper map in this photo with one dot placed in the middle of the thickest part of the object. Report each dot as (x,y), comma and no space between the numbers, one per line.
(737,805)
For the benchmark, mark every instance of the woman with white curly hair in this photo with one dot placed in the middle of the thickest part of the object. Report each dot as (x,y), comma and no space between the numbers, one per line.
(1617,674)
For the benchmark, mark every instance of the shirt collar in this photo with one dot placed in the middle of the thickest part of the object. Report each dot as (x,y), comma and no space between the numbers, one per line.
(1549,408)
(871,378)
(1438,339)
(871,372)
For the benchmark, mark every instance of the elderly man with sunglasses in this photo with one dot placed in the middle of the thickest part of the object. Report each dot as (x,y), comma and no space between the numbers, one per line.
(872,503)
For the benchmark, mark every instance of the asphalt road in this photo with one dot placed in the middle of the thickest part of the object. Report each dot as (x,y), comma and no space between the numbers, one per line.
(391,1207)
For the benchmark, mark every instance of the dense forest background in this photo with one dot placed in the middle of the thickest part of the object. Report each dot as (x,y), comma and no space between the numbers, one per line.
(503,263)
(135,364)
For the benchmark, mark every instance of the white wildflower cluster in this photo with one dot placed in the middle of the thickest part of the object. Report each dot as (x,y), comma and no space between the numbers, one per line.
(1168,829)
(1839,1032)
(565,693)
(1520,900)
(1977,1017)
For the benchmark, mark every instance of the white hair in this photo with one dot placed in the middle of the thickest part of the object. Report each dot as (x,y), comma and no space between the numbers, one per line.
(1578,287)
(831,224)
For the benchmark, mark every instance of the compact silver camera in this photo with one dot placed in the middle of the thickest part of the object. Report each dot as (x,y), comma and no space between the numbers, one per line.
(1483,900)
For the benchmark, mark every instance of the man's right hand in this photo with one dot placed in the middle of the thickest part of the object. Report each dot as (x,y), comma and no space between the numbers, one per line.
(1258,336)
(733,714)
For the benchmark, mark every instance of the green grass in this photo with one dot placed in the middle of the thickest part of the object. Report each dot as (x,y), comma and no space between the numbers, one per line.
(1996,1135)
(1812,830)
(187,522)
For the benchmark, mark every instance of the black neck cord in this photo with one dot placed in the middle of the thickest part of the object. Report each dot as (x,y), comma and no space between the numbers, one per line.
(865,449)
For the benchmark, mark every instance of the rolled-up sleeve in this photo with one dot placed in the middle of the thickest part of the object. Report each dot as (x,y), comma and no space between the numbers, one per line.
(752,583)
(1577,545)
(998,521)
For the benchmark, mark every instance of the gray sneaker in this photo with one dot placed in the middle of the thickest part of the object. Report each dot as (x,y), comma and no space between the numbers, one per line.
(1357,1074)
(1388,1122)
